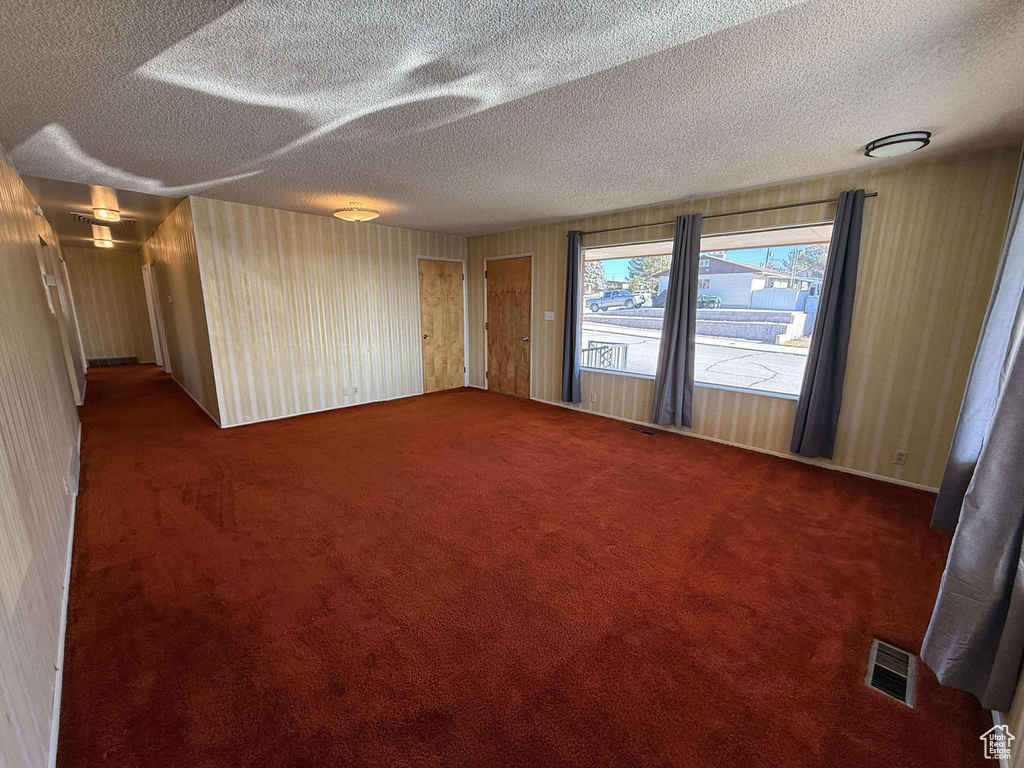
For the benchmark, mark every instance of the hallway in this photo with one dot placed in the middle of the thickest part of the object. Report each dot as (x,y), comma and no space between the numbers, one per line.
(466,579)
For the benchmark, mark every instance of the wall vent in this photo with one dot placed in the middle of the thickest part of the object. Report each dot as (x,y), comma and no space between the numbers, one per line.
(99,362)
(891,671)
(641,430)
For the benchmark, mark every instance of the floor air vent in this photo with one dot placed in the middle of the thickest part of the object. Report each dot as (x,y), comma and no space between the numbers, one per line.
(641,430)
(891,671)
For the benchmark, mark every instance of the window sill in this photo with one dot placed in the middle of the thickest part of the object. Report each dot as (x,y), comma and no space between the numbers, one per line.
(613,372)
(726,387)
(743,390)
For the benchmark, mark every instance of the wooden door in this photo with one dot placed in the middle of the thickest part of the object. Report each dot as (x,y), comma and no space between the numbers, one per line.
(442,324)
(508,325)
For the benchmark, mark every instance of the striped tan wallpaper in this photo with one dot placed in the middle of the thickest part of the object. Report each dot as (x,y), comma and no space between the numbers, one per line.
(931,242)
(38,441)
(172,253)
(307,312)
(111,302)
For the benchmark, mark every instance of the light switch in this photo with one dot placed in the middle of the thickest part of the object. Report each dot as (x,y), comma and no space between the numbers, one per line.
(549,315)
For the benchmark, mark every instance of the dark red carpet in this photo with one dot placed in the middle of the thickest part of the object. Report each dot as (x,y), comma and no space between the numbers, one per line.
(468,579)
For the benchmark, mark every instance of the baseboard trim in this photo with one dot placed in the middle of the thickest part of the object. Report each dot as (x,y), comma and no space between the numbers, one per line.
(58,664)
(194,400)
(320,410)
(997,720)
(779,454)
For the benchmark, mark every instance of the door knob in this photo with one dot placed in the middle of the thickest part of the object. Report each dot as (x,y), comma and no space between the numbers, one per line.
(426,335)
(526,338)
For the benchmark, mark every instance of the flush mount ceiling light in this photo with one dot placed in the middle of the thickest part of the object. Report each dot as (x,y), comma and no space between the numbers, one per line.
(898,144)
(107,214)
(101,237)
(356,212)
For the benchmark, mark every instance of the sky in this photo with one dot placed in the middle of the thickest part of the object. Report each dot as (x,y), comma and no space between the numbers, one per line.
(616,269)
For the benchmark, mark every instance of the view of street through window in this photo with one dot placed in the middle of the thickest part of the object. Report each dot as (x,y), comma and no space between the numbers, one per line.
(756,308)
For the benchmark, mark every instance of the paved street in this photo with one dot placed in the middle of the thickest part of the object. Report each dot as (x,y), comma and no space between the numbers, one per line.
(728,362)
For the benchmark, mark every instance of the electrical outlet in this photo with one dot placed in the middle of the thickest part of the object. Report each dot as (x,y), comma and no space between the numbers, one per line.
(593,397)
(900,457)
(355,390)
(344,391)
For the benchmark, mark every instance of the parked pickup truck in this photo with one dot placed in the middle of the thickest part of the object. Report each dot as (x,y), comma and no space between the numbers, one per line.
(616,298)
(707,301)
(704,301)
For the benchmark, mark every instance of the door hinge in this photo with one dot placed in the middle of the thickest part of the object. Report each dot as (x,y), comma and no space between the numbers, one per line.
(485,274)
(487,374)
(463,369)
(463,276)
(485,326)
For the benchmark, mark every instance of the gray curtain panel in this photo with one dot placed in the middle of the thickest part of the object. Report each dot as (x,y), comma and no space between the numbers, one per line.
(821,394)
(571,392)
(983,382)
(976,636)
(673,381)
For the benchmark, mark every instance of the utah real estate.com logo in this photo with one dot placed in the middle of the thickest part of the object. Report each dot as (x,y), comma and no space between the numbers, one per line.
(997,742)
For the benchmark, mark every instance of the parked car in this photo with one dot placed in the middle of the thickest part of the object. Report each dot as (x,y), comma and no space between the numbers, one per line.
(619,297)
(704,301)
(707,301)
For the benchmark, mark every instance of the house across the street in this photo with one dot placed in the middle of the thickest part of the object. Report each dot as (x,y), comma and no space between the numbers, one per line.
(735,281)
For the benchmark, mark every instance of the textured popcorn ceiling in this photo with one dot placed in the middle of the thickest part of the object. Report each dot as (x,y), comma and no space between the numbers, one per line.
(470,117)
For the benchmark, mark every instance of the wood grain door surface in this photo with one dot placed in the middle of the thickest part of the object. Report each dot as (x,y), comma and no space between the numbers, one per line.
(508,325)
(442,324)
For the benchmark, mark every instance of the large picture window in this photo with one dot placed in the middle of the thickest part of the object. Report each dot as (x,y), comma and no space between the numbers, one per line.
(757,298)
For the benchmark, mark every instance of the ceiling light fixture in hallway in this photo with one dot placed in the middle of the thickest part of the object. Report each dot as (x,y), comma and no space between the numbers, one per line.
(356,212)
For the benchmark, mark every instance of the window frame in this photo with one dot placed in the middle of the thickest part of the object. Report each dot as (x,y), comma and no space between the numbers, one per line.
(615,292)
(700,262)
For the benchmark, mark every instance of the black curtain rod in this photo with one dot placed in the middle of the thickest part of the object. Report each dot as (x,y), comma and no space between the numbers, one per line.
(730,213)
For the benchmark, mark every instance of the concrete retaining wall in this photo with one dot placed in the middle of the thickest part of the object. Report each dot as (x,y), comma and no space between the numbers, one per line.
(767,333)
(748,315)
(638,312)
(626,321)
(766,326)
